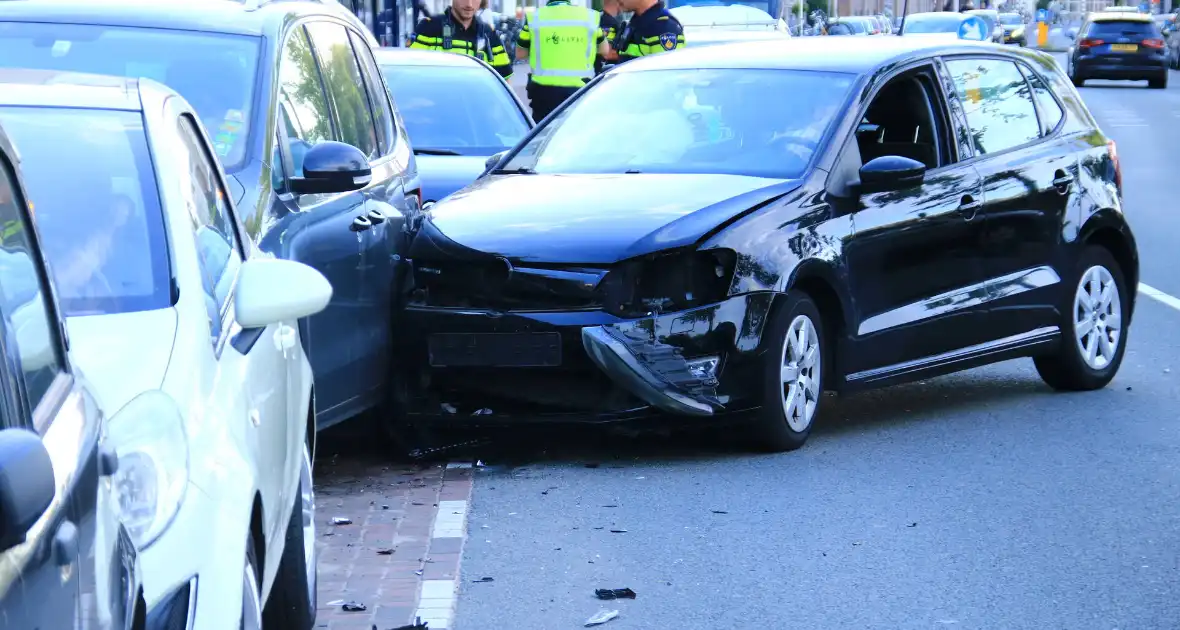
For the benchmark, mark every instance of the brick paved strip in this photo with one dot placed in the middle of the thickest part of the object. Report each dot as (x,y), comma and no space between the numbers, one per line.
(418,513)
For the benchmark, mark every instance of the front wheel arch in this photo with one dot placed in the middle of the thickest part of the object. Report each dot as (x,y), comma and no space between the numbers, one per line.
(1106,231)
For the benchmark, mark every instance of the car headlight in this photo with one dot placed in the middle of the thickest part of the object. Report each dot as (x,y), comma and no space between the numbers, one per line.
(668,281)
(1017,32)
(148,436)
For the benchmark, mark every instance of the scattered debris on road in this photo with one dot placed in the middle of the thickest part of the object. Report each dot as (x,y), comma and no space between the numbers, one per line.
(483,579)
(912,525)
(601,617)
(353,607)
(341,520)
(417,625)
(614,593)
(720,512)
(385,552)
(618,531)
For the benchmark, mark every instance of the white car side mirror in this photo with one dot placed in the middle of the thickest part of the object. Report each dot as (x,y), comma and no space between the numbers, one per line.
(273,290)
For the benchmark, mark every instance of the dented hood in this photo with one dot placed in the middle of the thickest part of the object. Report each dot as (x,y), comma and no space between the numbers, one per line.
(592,218)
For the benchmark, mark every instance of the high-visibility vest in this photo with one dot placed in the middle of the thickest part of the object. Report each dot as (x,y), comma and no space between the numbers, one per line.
(564,40)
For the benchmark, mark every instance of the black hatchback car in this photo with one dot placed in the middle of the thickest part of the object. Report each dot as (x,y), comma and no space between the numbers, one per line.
(276,83)
(1121,46)
(769,221)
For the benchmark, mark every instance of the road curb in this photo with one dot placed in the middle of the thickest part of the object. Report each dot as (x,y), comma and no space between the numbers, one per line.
(439,592)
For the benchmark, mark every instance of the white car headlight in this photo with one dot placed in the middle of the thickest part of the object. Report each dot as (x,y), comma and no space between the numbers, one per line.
(148,436)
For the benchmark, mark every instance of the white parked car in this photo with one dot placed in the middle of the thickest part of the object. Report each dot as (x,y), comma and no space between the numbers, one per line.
(161,292)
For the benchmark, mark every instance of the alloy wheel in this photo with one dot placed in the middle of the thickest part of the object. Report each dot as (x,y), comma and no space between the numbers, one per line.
(1098,317)
(801,370)
(251,600)
(307,505)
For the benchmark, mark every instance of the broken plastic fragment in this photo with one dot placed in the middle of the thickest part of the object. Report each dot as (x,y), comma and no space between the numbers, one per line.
(482,412)
(484,579)
(417,625)
(341,520)
(618,531)
(601,617)
(614,593)
(449,408)
(353,607)
(385,552)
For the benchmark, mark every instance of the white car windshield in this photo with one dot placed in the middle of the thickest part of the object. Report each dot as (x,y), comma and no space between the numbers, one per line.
(932,23)
(691,121)
(92,189)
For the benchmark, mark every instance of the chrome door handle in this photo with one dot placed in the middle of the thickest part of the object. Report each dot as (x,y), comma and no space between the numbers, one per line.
(376,216)
(1062,182)
(361,223)
(970,205)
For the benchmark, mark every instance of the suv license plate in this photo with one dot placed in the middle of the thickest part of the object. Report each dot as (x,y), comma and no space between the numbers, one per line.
(1124,48)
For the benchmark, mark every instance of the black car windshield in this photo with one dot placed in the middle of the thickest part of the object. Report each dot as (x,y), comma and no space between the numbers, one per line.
(932,23)
(465,110)
(213,72)
(1114,29)
(93,192)
(691,121)
(1011,19)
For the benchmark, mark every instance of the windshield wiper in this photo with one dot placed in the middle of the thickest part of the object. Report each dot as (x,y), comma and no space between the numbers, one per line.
(420,151)
(523,170)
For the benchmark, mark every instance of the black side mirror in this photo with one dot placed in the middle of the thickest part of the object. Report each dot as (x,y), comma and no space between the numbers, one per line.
(332,167)
(27,485)
(889,173)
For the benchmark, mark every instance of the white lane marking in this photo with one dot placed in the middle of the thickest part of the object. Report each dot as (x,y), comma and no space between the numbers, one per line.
(451,520)
(1159,296)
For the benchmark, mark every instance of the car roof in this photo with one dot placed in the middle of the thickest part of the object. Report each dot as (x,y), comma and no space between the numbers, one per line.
(826,54)
(1116,16)
(412,57)
(241,17)
(57,88)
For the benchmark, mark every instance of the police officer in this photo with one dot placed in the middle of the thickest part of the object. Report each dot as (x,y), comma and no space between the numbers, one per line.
(457,30)
(560,41)
(653,29)
(609,23)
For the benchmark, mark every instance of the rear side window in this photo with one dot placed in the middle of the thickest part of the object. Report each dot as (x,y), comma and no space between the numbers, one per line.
(997,103)
(346,89)
(378,96)
(1116,29)
(1047,106)
(96,205)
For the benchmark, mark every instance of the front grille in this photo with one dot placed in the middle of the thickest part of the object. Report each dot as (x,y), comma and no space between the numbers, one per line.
(487,284)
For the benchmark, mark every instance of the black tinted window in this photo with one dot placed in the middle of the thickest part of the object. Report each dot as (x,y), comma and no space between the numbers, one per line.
(1047,106)
(378,95)
(996,101)
(342,78)
(28,328)
(302,101)
(220,254)
(97,206)
(1104,30)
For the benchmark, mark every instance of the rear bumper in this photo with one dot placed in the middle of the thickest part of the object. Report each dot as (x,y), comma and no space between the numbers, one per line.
(1130,67)
(703,363)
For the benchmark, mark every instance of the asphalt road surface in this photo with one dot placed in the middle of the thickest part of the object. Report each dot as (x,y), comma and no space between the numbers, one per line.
(979,500)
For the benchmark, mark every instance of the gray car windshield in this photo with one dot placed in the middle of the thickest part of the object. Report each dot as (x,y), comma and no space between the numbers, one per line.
(691,121)
(213,72)
(932,23)
(92,188)
(467,111)
(1011,19)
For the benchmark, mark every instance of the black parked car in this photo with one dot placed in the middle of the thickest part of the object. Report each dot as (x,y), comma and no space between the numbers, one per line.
(67,560)
(1121,46)
(905,209)
(273,82)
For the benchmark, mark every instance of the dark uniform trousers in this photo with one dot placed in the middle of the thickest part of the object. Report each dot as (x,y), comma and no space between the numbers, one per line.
(546,98)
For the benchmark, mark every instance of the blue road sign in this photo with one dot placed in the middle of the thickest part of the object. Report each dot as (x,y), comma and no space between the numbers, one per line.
(1042,15)
(974,28)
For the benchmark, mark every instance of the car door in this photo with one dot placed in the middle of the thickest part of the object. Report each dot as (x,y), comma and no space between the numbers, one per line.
(250,385)
(332,232)
(914,256)
(1027,187)
(48,581)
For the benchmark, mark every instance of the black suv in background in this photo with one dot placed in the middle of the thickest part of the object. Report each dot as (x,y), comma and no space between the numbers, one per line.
(1120,46)
(276,84)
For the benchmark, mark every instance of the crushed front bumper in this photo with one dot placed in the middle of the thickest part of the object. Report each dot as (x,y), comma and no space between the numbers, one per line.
(700,363)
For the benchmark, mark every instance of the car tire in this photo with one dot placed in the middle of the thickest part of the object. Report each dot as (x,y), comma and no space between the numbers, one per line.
(1159,83)
(1087,364)
(794,370)
(292,601)
(251,591)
